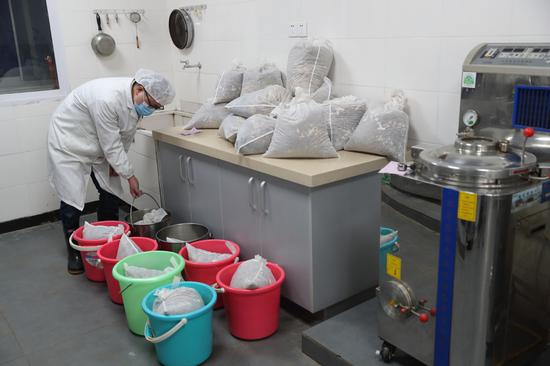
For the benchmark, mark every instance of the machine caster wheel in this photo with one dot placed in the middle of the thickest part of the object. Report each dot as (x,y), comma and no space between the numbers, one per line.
(386,352)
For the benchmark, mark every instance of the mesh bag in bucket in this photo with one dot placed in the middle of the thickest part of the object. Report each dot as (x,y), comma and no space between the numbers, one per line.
(133,290)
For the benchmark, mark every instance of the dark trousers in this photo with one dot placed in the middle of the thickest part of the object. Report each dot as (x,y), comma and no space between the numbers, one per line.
(107,210)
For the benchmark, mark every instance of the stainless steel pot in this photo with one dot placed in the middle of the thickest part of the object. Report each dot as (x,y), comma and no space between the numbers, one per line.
(186,232)
(102,43)
(146,230)
(182,30)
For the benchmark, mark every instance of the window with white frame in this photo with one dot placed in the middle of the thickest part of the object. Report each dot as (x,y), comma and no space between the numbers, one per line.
(28,62)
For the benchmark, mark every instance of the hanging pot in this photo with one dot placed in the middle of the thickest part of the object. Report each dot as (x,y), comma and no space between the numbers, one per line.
(182,30)
(102,43)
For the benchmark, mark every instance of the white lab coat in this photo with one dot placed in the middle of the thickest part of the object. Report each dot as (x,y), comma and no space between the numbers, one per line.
(90,130)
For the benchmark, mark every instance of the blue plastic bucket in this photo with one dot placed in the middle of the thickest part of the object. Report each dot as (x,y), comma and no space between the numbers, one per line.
(181,340)
(391,246)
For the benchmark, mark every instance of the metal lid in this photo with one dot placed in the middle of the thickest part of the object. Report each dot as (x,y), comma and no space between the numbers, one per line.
(475,161)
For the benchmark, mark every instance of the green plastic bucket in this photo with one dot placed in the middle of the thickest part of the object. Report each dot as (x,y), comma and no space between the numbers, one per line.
(133,290)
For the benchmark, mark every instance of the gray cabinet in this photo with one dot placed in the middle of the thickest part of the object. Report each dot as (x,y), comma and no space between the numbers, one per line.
(203,184)
(326,238)
(190,186)
(285,225)
(240,211)
(174,189)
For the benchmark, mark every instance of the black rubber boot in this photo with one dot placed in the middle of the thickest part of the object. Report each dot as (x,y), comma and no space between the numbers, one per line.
(74,263)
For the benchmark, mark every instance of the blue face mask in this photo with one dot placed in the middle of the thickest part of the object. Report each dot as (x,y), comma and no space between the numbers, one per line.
(143,110)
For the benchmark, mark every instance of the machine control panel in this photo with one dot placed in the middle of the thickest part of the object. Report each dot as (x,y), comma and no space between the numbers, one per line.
(531,55)
(525,198)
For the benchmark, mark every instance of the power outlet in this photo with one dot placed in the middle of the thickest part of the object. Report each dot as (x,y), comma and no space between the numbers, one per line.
(297,30)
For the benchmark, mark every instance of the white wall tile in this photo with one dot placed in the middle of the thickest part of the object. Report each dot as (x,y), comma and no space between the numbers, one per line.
(422,110)
(7,112)
(9,137)
(364,19)
(33,109)
(473,18)
(81,62)
(123,62)
(78,27)
(530,19)
(414,18)
(15,203)
(35,165)
(448,117)
(412,63)
(33,132)
(13,171)
(359,61)
(41,197)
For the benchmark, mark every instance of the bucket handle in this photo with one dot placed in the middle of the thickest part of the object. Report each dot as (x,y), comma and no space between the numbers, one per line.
(166,335)
(80,248)
(132,206)
(217,288)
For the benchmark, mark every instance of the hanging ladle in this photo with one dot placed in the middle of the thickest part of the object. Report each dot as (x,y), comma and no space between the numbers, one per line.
(135,17)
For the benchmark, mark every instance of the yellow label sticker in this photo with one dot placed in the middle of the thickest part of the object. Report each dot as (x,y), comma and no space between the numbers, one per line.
(393,266)
(467,206)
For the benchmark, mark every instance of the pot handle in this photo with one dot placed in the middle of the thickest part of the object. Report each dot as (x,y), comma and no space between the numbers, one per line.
(149,332)
(98,20)
(132,206)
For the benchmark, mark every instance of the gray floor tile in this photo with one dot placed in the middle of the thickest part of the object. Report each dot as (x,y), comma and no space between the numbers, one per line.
(9,346)
(108,345)
(22,361)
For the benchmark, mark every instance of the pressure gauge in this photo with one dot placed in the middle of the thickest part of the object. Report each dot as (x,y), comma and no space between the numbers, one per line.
(470,118)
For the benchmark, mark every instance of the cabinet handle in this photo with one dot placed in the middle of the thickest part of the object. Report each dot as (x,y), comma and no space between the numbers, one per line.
(180,158)
(263,193)
(251,194)
(190,175)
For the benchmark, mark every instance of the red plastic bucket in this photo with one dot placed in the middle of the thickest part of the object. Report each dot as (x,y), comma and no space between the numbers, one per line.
(206,272)
(89,255)
(107,255)
(251,314)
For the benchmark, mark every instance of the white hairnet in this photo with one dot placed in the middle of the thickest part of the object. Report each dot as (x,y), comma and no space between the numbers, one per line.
(156,85)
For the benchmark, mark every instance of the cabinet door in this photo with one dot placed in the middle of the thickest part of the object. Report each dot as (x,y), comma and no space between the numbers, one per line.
(203,180)
(286,226)
(239,196)
(173,182)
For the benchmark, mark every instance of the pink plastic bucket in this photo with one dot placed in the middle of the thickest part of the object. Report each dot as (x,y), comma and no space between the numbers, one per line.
(88,249)
(251,314)
(107,255)
(206,272)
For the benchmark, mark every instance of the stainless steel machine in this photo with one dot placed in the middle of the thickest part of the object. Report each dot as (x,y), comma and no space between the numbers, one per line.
(481,295)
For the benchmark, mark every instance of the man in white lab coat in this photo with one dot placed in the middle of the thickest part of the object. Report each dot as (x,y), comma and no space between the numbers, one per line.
(89,137)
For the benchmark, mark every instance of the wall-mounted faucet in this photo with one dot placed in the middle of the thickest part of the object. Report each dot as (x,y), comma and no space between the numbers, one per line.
(187,65)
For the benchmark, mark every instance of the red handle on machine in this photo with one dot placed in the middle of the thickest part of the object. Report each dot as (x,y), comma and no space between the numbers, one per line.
(528,132)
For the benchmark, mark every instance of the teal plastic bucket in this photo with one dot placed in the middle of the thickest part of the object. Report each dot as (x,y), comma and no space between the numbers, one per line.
(181,340)
(391,246)
(133,290)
